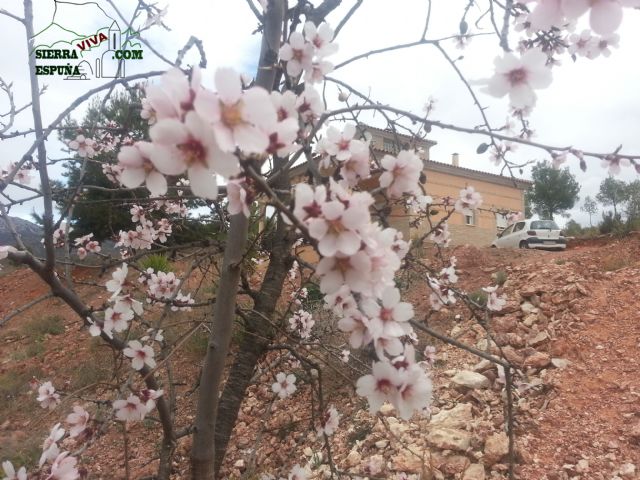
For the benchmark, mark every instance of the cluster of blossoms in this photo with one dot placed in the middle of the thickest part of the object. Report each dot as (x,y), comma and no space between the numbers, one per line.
(85,246)
(349,154)
(469,200)
(300,295)
(357,268)
(307,52)
(137,405)
(605,16)
(54,463)
(302,322)
(85,147)
(22,175)
(147,232)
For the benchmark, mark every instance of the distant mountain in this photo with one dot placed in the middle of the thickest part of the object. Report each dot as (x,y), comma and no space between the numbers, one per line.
(30,232)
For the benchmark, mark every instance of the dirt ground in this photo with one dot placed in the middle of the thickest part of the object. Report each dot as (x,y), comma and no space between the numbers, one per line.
(571,327)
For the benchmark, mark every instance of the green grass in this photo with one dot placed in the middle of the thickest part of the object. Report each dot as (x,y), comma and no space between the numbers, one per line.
(13,384)
(37,328)
(159,263)
(500,277)
(196,345)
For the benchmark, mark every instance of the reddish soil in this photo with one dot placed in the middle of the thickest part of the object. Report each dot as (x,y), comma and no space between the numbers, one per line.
(589,411)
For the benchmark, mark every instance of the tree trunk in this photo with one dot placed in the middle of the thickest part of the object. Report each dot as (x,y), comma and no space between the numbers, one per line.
(257,338)
(203,451)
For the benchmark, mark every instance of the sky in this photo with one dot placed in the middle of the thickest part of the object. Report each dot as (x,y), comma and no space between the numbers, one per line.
(592,105)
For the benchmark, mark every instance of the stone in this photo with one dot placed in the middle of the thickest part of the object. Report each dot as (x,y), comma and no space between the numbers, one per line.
(539,339)
(504,324)
(353,459)
(537,360)
(528,308)
(380,444)
(469,379)
(530,319)
(450,439)
(474,472)
(560,362)
(456,417)
(496,446)
(582,466)
(387,409)
(512,356)
(406,461)
(454,464)
(627,470)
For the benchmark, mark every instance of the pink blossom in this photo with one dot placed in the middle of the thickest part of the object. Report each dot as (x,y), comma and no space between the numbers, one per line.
(518,77)
(140,355)
(191,146)
(173,98)
(402,173)
(392,315)
(302,322)
(605,16)
(337,229)
(118,279)
(329,422)
(298,473)
(547,14)
(47,396)
(130,410)
(78,421)
(316,72)
(149,397)
(138,169)
(238,117)
(309,105)
(494,302)
(50,448)
(285,105)
(469,199)
(10,472)
(309,201)
(84,146)
(358,326)
(350,270)
(285,385)
(441,235)
(321,38)
(117,318)
(282,137)
(614,162)
(64,468)
(297,53)
(379,386)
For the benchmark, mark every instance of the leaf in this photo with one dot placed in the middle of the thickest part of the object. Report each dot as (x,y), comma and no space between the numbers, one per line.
(483,147)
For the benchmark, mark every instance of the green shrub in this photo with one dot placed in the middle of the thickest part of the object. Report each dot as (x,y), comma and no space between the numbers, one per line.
(479,297)
(37,328)
(156,261)
(500,277)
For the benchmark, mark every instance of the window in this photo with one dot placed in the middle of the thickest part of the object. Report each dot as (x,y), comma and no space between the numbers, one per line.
(389,145)
(507,231)
(470,217)
(544,225)
(519,226)
(501,221)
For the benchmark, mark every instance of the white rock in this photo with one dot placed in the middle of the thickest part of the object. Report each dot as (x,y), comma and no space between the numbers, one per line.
(474,472)
(560,362)
(627,470)
(469,379)
(582,466)
(456,417)
(496,446)
(450,439)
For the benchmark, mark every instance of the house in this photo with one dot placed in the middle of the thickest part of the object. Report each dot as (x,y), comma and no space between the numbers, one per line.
(501,194)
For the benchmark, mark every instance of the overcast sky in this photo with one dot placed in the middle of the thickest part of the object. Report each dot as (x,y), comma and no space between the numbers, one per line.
(592,104)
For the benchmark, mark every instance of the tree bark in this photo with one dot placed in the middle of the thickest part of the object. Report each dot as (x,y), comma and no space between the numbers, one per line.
(203,451)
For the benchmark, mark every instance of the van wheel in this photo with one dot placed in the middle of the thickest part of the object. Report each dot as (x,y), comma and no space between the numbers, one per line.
(524,244)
